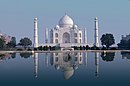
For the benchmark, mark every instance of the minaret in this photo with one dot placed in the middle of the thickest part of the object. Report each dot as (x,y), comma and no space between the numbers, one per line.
(85,36)
(96,33)
(36,64)
(35,33)
(97,64)
(46,35)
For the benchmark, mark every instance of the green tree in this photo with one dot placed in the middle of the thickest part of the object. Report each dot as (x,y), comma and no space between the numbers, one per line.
(12,43)
(87,47)
(50,47)
(40,48)
(2,43)
(124,44)
(80,47)
(107,40)
(25,42)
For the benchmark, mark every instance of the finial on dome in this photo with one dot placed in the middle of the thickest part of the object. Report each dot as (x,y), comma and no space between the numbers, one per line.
(96,18)
(35,19)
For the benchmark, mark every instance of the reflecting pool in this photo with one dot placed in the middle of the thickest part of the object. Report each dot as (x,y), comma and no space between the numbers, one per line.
(65,69)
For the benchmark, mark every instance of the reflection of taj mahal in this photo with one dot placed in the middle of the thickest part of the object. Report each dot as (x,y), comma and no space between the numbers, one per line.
(65,34)
(66,62)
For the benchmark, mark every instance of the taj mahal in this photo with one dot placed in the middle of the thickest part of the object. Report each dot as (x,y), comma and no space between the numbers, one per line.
(65,34)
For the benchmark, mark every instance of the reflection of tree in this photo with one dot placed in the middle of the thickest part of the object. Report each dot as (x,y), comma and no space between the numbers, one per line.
(13,55)
(25,55)
(5,56)
(125,55)
(108,56)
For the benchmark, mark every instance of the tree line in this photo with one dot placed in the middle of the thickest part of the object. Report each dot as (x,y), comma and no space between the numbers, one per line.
(24,42)
(107,40)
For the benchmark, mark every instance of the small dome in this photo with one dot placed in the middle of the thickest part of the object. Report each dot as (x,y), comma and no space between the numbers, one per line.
(57,26)
(75,26)
(57,67)
(66,21)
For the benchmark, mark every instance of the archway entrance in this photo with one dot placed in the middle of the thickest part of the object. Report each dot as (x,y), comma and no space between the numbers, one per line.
(66,38)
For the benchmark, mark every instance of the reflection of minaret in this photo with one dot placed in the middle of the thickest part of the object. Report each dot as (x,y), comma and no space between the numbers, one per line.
(85,55)
(96,33)
(35,33)
(36,64)
(46,59)
(46,35)
(85,36)
(97,64)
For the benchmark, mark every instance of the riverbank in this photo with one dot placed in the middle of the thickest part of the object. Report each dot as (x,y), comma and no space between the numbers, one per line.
(59,51)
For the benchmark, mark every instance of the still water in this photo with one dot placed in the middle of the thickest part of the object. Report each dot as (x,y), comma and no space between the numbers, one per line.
(65,69)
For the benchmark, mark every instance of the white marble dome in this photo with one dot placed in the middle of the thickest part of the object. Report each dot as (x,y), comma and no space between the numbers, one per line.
(66,21)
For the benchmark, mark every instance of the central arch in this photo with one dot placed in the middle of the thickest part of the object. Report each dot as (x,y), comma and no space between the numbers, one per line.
(66,38)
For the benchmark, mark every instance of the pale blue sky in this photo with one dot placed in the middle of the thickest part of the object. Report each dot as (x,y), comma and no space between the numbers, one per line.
(16,16)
